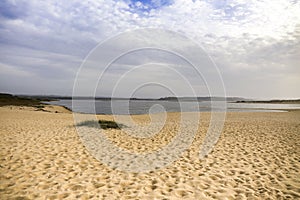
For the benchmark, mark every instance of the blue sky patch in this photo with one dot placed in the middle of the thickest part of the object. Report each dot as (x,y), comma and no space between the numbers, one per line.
(148,5)
(12,11)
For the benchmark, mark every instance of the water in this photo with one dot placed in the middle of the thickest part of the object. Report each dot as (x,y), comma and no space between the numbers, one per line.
(124,107)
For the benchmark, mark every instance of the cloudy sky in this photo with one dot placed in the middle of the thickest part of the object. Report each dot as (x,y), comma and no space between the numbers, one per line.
(255,44)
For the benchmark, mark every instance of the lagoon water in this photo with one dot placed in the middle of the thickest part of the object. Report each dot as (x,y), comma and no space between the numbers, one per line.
(125,107)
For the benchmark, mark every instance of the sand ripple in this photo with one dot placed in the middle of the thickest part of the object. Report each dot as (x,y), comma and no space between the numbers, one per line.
(257,157)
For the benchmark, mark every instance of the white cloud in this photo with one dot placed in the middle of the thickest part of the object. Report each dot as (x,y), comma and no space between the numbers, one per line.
(259,37)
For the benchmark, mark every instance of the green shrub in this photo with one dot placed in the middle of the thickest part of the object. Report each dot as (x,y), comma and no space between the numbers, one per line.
(104,124)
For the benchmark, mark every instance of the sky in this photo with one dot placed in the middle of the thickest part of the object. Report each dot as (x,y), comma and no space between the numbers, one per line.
(255,45)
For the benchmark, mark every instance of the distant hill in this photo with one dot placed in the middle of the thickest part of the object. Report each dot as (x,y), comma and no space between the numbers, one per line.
(229,99)
(55,97)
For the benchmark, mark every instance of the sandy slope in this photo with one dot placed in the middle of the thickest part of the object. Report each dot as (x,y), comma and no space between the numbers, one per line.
(257,157)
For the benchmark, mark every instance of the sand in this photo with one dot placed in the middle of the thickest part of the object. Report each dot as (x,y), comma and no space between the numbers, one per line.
(42,157)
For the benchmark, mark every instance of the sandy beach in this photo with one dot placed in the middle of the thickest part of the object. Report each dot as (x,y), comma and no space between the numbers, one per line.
(42,157)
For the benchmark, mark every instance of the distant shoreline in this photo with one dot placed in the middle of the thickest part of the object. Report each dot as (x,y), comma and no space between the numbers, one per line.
(38,101)
(290,101)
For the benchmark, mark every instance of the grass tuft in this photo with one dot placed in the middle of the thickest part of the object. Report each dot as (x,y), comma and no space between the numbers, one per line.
(104,124)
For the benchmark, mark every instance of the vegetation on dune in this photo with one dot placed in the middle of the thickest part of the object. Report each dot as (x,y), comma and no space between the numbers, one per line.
(11,100)
(104,124)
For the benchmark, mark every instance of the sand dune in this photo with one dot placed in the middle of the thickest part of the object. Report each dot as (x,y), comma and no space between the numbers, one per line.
(42,157)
